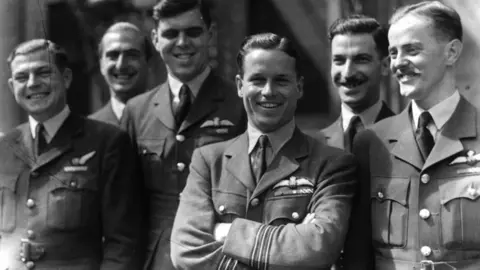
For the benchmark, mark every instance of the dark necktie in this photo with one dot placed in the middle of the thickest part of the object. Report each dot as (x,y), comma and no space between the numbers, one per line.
(423,136)
(259,158)
(40,142)
(183,106)
(355,127)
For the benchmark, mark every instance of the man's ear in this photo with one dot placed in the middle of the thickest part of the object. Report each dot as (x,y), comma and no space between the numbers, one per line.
(300,86)
(239,83)
(453,50)
(67,77)
(385,66)
(10,85)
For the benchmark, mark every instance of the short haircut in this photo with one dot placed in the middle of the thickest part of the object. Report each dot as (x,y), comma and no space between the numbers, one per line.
(445,20)
(361,24)
(171,8)
(126,26)
(266,41)
(59,55)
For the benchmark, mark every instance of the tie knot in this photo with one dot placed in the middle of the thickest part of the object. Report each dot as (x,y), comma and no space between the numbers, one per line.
(263,141)
(39,129)
(424,119)
(184,90)
(356,122)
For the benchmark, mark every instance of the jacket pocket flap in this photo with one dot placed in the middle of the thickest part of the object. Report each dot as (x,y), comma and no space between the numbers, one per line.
(465,187)
(390,188)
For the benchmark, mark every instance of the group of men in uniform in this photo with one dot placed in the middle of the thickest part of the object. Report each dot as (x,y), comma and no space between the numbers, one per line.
(202,173)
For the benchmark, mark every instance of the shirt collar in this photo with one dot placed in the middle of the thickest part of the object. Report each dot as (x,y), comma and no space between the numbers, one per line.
(194,85)
(277,138)
(440,112)
(368,116)
(117,107)
(52,125)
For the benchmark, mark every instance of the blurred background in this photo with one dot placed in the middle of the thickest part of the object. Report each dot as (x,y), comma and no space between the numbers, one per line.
(78,25)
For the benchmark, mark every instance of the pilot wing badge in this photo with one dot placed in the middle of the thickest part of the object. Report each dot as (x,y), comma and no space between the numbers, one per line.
(471,159)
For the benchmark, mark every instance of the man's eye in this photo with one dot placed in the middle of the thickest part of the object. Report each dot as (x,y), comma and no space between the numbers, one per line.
(194,32)
(21,78)
(170,34)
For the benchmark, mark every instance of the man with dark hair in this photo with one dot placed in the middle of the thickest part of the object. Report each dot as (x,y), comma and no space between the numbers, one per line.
(420,189)
(123,52)
(193,107)
(359,62)
(273,197)
(63,178)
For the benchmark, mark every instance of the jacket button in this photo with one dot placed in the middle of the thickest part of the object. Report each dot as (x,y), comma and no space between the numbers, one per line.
(30,265)
(221,209)
(181,166)
(424,213)
(426,251)
(73,184)
(30,234)
(35,174)
(380,195)
(30,203)
(295,215)
(425,178)
(255,202)
(180,138)
(472,192)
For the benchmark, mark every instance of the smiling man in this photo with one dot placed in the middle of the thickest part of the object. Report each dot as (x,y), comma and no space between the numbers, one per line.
(421,190)
(124,52)
(63,178)
(193,107)
(359,47)
(273,197)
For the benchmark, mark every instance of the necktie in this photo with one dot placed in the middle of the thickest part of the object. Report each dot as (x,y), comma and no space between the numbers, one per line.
(423,136)
(181,110)
(355,127)
(259,159)
(40,142)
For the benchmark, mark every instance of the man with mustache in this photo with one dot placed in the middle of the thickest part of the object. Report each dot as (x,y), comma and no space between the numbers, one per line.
(69,197)
(194,107)
(124,52)
(420,169)
(273,197)
(359,48)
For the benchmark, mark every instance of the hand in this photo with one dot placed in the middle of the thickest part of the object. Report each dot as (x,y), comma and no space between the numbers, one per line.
(309,218)
(221,230)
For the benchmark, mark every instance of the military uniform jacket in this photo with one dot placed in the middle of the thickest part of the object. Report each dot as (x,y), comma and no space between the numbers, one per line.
(419,211)
(334,134)
(54,210)
(106,114)
(305,177)
(165,150)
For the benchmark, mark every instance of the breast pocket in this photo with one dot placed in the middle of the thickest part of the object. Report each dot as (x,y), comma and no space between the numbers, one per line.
(389,211)
(150,152)
(228,206)
(73,202)
(460,212)
(7,204)
(286,205)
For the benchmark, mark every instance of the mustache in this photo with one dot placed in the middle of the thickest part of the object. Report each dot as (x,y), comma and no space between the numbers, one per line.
(350,80)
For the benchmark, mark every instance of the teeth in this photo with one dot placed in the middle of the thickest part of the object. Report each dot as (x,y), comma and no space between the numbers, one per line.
(123,77)
(269,105)
(184,56)
(38,96)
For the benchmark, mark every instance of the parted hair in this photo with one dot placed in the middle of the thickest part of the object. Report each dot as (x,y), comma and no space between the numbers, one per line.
(361,24)
(266,41)
(58,54)
(171,8)
(445,20)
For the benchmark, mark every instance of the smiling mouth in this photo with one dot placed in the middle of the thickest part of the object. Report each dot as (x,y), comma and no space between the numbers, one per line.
(36,96)
(269,105)
(124,76)
(184,56)
(403,77)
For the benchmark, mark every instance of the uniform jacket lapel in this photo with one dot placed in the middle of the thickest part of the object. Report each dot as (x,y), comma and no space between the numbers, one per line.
(384,112)
(462,125)
(401,133)
(207,100)
(238,163)
(334,134)
(285,163)
(23,145)
(61,142)
(163,106)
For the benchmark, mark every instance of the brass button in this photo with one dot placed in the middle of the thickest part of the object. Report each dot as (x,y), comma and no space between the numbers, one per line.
(472,192)
(424,213)
(426,251)
(425,178)
(221,209)
(295,215)
(73,184)
(180,138)
(380,195)
(30,265)
(30,203)
(35,174)
(255,202)
(30,234)
(181,166)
